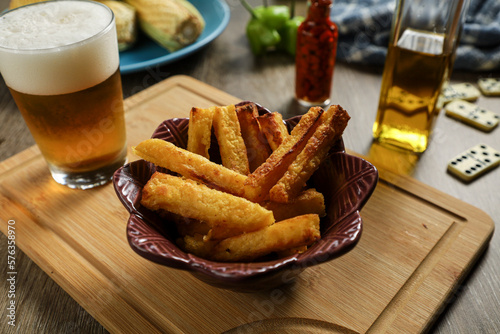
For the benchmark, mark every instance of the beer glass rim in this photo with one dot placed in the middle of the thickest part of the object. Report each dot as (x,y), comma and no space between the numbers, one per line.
(60,47)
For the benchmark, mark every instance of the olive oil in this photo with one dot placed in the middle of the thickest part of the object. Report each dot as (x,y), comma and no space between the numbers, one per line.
(414,72)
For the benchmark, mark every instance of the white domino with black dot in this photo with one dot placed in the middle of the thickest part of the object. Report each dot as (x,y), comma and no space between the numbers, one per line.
(463,91)
(405,101)
(474,162)
(472,114)
(489,86)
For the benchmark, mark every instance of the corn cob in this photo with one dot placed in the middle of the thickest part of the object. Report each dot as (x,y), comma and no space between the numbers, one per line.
(18,3)
(173,24)
(126,23)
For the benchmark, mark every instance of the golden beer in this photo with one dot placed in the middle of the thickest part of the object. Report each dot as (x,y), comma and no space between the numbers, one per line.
(411,85)
(67,85)
(73,140)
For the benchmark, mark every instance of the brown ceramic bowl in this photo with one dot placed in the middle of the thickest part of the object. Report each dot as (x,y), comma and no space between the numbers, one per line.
(346,182)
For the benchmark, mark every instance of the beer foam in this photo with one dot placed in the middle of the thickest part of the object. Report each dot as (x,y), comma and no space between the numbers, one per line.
(52,25)
(57,47)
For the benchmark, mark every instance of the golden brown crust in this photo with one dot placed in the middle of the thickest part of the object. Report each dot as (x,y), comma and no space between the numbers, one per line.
(273,128)
(231,144)
(225,214)
(308,201)
(190,165)
(219,218)
(258,149)
(259,183)
(200,131)
(291,233)
(332,124)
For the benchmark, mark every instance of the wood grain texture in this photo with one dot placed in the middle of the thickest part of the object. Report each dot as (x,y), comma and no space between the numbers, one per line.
(417,245)
(227,64)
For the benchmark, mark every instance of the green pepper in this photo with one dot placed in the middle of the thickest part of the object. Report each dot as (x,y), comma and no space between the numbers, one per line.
(288,35)
(272,27)
(261,37)
(274,17)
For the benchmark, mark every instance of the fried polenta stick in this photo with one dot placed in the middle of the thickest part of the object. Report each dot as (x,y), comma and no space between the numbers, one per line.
(197,245)
(291,233)
(225,214)
(165,154)
(200,130)
(231,145)
(259,183)
(273,128)
(258,149)
(308,201)
(333,122)
(192,227)
(184,225)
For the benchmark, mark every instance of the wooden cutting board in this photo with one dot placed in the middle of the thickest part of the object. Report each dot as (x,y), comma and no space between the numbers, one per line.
(417,246)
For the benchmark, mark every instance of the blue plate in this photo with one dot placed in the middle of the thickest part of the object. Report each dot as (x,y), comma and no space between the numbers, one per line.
(146,53)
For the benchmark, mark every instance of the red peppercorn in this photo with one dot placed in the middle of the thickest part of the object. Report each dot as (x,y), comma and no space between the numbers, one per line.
(315,59)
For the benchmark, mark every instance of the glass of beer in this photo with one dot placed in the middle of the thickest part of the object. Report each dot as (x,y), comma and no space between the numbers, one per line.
(420,56)
(60,61)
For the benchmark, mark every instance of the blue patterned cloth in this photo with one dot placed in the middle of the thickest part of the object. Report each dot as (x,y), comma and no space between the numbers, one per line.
(364,28)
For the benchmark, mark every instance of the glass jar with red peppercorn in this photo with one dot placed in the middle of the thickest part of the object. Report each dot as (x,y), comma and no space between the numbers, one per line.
(315,59)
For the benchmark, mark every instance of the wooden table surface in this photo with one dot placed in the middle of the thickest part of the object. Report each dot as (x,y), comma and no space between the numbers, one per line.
(227,64)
